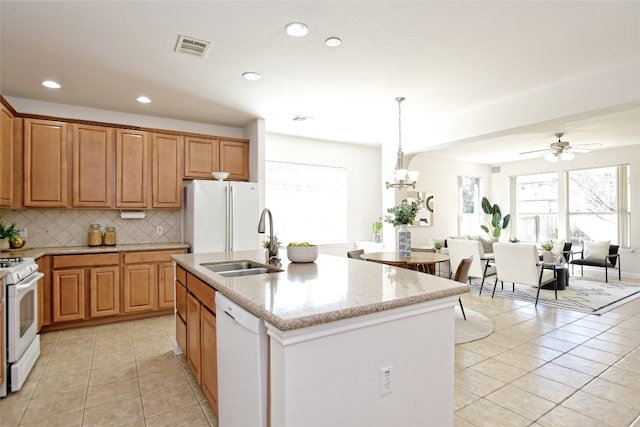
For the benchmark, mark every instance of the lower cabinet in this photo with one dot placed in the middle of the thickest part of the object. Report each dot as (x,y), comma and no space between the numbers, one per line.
(196,316)
(95,288)
(148,281)
(85,286)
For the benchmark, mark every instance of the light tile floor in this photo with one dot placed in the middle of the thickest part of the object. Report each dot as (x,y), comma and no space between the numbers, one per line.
(541,367)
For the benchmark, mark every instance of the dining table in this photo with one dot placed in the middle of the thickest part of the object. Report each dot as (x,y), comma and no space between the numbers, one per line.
(415,260)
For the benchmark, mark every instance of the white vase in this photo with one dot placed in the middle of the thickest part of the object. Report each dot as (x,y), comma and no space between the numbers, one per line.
(403,242)
(548,258)
(4,244)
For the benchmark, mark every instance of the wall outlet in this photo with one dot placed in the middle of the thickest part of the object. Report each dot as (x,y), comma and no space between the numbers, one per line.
(159,230)
(386,384)
(24,233)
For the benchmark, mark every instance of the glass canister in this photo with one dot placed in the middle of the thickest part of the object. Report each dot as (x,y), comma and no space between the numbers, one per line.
(109,238)
(94,236)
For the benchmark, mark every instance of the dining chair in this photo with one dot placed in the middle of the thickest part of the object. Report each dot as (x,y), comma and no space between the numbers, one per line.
(519,263)
(425,268)
(462,272)
(460,249)
(355,254)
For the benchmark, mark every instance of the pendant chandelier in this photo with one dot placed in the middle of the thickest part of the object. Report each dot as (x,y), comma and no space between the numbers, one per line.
(402,178)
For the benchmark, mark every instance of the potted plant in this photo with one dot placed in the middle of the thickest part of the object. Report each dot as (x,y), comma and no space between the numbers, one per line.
(547,255)
(377,228)
(496,221)
(10,236)
(402,215)
(437,246)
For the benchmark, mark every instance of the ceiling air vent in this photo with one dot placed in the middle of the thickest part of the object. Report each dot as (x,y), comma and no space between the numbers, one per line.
(192,46)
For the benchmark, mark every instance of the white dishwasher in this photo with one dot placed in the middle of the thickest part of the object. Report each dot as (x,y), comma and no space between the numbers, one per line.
(242,366)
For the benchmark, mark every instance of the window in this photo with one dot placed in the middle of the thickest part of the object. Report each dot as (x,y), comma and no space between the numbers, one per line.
(470,210)
(537,207)
(308,202)
(598,204)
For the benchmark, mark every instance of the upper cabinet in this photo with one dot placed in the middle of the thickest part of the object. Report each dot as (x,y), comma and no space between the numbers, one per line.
(166,167)
(92,166)
(206,155)
(132,169)
(46,151)
(7,159)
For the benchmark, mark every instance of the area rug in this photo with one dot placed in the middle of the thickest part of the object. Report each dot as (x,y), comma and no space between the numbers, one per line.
(584,295)
(476,326)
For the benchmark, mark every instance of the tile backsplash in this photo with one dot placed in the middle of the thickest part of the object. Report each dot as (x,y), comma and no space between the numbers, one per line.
(58,227)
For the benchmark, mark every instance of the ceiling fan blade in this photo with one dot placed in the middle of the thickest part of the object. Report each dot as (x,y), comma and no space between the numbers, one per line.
(534,151)
(578,150)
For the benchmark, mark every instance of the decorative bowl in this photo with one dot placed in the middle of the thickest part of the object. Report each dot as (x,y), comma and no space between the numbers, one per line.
(302,253)
(220,176)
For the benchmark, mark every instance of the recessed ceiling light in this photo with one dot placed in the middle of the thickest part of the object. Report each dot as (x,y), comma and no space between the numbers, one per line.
(297,29)
(333,41)
(250,75)
(51,84)
(143,99)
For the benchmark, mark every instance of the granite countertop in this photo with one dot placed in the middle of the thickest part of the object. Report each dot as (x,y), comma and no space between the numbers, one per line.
(332,288)
(80,250)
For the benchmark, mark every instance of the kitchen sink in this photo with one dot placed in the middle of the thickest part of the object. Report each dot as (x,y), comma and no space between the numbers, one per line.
(240,268)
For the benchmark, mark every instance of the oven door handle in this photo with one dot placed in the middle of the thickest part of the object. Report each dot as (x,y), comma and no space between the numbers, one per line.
(27,284)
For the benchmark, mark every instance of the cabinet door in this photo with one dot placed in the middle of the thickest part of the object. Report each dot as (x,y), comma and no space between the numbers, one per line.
(6,158)
(193,336)
(3,344)
(201,157)
(132,169)
(209,365)
(181,300)
(68,295)
(167,171)
(45,163)
(104,294)
(140,288)
(165,285)
(181,335)
(234,158)
(92,166)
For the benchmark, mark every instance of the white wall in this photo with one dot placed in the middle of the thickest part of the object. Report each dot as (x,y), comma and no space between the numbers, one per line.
(440,177)
(363,176)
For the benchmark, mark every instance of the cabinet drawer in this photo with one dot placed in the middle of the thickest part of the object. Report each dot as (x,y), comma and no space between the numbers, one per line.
(203,292)
(150,256)
(67,261)
(181,300)
(181,275)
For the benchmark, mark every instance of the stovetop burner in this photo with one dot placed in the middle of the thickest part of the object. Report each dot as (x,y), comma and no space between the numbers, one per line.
(9,262)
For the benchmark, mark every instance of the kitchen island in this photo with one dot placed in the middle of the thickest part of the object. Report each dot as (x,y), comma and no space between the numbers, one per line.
(351,342)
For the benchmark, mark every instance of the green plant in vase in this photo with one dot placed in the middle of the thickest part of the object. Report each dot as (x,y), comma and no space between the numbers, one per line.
(404,213)
(377,228)
(496,221)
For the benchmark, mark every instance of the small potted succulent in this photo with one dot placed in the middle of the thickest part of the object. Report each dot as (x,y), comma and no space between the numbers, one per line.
(547,255)
(377,228)
(438,246)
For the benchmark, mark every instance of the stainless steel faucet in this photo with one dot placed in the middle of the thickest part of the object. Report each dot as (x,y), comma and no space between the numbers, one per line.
(272,257)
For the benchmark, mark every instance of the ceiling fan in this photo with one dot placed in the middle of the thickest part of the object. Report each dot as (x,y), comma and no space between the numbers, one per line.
(562,150)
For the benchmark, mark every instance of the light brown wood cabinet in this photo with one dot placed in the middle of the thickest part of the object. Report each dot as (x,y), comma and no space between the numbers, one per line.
(208,365)
(132,169)
(205,155)
(92,173)
(46,158)
(7,159)
(104,291)
(85,286)
(166,155)
(200,344)
(148,280)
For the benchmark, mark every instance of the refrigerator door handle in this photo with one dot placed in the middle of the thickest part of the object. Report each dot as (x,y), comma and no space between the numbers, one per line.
(232,202)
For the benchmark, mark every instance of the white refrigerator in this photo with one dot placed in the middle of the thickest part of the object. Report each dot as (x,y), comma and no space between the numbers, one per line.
(221,216)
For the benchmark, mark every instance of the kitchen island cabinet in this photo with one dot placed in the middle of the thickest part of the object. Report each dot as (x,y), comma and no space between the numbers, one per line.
(335,326)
